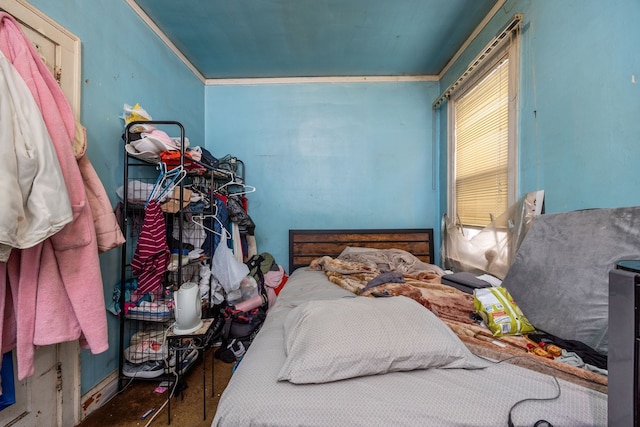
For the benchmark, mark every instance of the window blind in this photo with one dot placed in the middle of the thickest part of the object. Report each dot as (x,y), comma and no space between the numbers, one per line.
(481,149)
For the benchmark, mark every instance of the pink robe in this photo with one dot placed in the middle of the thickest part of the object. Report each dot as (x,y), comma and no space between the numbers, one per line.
(56,290)
(108,232)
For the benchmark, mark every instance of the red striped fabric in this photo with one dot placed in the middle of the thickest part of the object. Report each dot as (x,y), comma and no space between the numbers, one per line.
(152,255)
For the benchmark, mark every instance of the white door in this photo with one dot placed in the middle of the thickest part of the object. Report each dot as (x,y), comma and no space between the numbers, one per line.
(39,398)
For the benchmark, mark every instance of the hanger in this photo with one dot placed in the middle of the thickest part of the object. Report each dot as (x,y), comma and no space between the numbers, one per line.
(198,220)
(232,182)
(166,182)
(248,189)
(170,181)
(196,190)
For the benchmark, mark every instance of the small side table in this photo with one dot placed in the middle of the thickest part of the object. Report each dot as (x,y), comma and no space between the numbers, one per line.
(201,338)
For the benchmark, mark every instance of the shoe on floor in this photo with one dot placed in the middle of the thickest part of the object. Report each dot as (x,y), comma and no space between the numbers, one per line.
(151,369)
(218,325)
(146,350)
(188,357)
(188,360)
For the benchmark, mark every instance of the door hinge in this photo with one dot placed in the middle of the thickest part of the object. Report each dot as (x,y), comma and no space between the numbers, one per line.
(58,73)
(58,377)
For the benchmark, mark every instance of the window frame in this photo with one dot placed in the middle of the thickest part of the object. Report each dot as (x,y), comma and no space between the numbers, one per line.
(510,50)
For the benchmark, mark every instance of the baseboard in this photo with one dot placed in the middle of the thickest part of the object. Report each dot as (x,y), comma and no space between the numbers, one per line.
(100,394)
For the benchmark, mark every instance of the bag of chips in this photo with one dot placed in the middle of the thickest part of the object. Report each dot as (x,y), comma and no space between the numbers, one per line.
(499,312)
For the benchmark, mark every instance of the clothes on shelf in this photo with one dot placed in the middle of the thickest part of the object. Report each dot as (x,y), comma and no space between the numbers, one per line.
(174,219)
(213,209)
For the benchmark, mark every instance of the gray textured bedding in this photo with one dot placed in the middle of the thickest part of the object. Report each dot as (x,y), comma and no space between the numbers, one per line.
(567,257)
(425,397)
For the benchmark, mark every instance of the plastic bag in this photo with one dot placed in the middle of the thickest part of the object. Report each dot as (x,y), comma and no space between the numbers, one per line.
(135,114)
(227,269)
(492,249)
(501,314)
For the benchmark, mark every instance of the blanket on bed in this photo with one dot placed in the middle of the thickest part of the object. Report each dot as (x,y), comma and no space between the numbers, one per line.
(356,272)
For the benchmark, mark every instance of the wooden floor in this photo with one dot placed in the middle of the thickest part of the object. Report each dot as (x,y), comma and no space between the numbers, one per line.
(126,408)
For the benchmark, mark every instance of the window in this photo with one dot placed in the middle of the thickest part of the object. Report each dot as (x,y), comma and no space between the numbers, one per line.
(481,232)
(482,142)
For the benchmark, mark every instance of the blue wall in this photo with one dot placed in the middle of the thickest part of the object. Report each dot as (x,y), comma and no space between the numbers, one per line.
(580,74)
(328,155)
(123,61)
(360,155)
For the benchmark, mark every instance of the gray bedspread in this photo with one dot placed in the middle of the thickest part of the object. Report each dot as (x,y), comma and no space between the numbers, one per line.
(432,397)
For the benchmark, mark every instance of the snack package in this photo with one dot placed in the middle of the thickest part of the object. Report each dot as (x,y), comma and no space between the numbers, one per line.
(499,312)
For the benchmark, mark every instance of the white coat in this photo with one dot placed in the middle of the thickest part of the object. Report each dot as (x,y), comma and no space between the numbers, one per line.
(35,202)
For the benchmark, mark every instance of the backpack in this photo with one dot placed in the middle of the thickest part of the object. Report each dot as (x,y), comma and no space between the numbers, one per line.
(239,330)
(241,327)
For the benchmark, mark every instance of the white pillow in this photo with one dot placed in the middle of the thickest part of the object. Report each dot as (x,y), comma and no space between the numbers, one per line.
(330,340)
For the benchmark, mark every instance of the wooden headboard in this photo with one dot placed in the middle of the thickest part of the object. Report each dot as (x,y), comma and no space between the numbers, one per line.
(306,245)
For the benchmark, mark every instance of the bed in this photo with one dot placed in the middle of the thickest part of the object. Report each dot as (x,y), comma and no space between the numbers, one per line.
(325,356)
